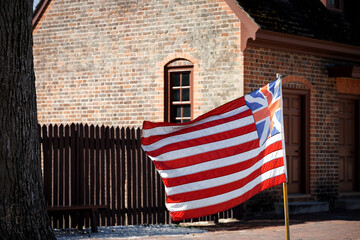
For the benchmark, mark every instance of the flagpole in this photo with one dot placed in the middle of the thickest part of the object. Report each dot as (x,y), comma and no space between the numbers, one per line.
(285,192)
(286,210)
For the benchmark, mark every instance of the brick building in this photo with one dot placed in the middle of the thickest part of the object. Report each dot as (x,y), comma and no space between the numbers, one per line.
(122,62)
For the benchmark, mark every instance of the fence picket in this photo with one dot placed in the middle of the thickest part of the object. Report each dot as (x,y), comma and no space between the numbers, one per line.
(138,174)
(67,173)
(80,171)
(118,176)
(113,176)
(107,174)
(133,173)
(86,172)
(123,175)
(97,170)
(102,173)
(73,146)
(92,165)
(55,166)
(61,170)
(128,177)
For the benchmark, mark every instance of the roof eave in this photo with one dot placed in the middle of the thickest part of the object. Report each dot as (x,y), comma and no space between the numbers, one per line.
(39,11)
(322,48)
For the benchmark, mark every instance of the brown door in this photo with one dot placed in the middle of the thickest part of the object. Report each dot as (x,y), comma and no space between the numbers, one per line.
(294,105)
(348,128)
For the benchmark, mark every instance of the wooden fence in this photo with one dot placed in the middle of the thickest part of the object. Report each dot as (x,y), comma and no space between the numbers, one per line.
(92,165)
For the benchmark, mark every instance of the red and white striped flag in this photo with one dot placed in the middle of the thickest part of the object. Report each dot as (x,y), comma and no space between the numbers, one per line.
(221,158)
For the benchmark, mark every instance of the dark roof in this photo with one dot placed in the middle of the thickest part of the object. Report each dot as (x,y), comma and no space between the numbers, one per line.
(307,18)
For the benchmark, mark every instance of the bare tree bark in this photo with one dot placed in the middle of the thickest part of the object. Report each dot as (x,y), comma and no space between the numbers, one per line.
(22,205)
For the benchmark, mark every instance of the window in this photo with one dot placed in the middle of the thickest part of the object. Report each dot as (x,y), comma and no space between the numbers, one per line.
(335,4)
(178,95)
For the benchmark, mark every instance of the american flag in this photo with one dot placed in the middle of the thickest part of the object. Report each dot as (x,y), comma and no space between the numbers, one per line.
(221,158)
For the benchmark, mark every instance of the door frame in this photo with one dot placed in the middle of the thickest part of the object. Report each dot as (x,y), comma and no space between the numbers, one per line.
(357,139)
(305,136)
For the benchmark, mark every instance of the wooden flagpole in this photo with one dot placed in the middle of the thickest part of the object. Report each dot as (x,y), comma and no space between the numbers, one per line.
(285,193)
(286,211)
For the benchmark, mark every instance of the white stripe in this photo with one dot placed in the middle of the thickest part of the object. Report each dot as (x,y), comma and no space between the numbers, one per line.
(182,206)
(215,182)
(265,132)
(201,133)
(218,163)
(170,129)
(276,122)
(191,151)
(277,89)
(261,101)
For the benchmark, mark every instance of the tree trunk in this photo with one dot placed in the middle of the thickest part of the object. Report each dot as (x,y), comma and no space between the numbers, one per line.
(22,205)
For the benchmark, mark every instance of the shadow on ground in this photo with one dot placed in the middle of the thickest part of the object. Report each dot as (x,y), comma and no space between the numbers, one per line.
(261,222)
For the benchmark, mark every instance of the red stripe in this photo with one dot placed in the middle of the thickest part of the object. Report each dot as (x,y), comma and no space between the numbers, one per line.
(239,102)
(222,171)
(199,212)
(203,140)
(225,188)
(207,156)
(155,138)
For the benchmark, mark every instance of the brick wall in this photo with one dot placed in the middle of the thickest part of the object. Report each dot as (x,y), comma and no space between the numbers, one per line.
(308,72)
(102,62)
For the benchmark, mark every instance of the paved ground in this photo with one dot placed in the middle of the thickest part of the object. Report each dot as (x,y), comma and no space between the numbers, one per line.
(323,230)
(322,226)
(336,225)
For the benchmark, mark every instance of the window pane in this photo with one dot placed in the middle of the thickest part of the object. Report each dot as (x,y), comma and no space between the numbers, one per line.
(186,110)
(186,79)
(186,95)
(175,79)
(177,111)
(176,94)
(186,120)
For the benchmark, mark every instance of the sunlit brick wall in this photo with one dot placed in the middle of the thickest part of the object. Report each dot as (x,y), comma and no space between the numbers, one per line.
(102,62)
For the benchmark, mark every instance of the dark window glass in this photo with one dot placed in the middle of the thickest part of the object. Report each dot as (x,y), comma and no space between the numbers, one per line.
(178,111)
(176,79)
(186,95)
(176,95)
(186,111)
(186,79)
